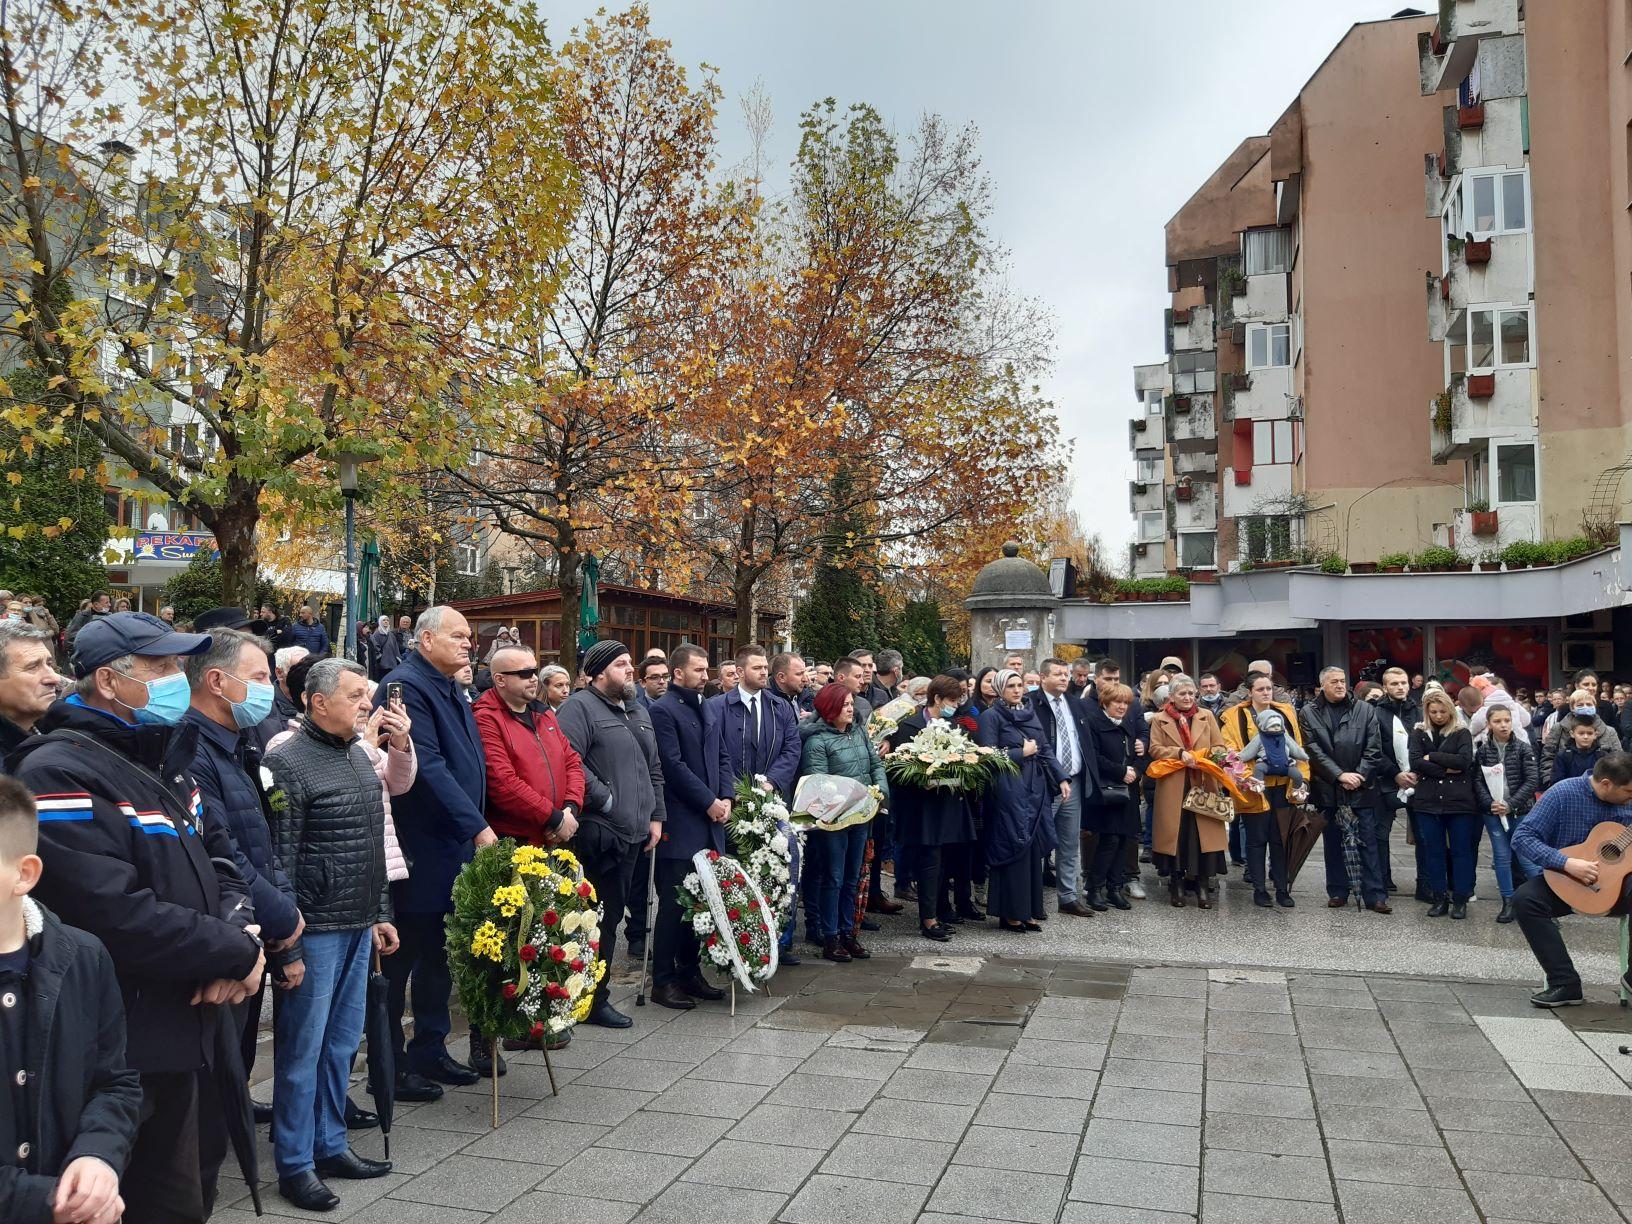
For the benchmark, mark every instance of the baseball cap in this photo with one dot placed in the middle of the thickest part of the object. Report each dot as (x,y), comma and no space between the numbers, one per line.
(1173,662)
(131,633)
(221,618)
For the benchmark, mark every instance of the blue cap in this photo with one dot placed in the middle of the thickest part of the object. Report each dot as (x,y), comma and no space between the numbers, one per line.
(131,633)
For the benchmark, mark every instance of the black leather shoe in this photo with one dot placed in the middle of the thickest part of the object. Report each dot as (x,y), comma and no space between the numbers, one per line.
(1260,897)
(1459,909)
(263,1113)
(448,1070)
(786,957)
(1440,907)
(606,1016)
(671,995)
(1556,996)
(1507,914)
(697,988)
(307,1191)
(935,933)
(637,949)
(1284,899)
(352,1167)
(1116,900)
(481,1061)
(358,1118)
(412,1086)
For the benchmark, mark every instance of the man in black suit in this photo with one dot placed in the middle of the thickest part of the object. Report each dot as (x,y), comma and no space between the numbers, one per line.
(1065,722)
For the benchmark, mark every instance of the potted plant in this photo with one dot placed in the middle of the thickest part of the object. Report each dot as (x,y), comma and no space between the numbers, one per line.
(1181,403)
(1172,590)
(1481,386)
(1393,563)
(1362,567)
(1204,577)
(1331,563)
(1233,282)
(1442,411)
(1490,561)
(1483,518)
(1469,118)
(1478,252)
(1522,554)
(1184,491)
(1181,317)
(1436,560)
(1454,245)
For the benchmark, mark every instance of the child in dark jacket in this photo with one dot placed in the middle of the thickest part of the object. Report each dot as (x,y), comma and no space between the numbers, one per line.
(62,1028)
(1579,755)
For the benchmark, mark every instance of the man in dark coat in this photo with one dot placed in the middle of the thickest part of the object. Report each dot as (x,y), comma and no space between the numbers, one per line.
(132,857)
(309,632)
(1065,722)
(688,747)
(232,694)
(28,681)
(439,824)
(66,1138)
(1346,757)
(758,735)
(788,673)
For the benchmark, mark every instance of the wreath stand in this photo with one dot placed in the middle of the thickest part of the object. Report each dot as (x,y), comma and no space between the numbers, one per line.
(549,1067)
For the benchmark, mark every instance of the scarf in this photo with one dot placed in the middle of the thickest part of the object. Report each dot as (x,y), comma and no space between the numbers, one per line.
(1182,721)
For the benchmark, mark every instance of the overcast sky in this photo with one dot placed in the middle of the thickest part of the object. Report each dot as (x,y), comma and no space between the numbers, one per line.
(1097,122)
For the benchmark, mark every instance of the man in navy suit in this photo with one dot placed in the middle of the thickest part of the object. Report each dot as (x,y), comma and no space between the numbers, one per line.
(439,822)
(758,734)
(688,748)
(1065,722)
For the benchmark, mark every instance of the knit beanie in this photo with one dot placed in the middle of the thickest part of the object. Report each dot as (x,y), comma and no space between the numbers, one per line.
(830,700)
(602,655)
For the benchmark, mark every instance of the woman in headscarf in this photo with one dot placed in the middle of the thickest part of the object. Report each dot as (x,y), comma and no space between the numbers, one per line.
(1188,849)
(1018,806)
(839,745)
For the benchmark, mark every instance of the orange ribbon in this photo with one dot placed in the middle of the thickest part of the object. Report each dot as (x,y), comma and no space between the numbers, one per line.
(1172,765)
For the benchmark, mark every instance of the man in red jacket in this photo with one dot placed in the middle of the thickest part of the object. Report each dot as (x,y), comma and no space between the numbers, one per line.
(535,781)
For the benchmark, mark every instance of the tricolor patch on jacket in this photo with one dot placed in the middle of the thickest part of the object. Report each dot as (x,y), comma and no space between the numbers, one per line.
(68,805)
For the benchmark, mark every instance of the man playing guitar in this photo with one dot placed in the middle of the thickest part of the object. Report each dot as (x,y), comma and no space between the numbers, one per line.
(1564,817)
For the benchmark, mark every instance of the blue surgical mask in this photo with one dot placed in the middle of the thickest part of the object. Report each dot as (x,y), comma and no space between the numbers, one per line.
(1586,711)
(255,706)
(167,700)
(948,710)
(1031,688)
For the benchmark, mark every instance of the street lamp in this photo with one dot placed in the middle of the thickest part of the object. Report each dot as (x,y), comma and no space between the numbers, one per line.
(349,463)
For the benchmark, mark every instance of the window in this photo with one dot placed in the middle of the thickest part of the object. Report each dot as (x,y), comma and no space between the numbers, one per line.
(1516,473)
(1269,345)
(1498,338)
(1147,471)
(1152,525)
(1194,372)
(1265,537)
(1275,442)
(1497,203)
(1153,403)
(1196,549)
(467,559)
(1264,251)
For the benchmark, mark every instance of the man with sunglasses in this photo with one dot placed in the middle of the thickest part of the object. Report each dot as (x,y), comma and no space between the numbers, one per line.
(535,781)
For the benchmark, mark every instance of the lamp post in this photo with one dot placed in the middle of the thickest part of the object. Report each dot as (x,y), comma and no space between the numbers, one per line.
(349,463)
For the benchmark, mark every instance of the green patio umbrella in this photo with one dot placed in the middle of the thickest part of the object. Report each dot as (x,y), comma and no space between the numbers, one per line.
(367,572)
(589,605)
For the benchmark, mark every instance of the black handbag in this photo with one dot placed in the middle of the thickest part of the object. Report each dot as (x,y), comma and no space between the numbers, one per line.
(1115,792)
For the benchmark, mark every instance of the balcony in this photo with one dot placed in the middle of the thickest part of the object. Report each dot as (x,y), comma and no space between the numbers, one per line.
(1145,433)
(1195,505)
(1267,397)
(1150,559)
(1142,496)
(1261,299)
(1462,423)
(1191,330)
(1190,417)
(1493,269)
(1498,140)
(1270,482)
(1446,56)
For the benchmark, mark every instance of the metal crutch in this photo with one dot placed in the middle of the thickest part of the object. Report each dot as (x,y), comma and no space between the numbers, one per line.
(651,925)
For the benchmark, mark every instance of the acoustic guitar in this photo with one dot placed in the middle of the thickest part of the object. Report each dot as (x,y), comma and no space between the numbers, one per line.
(1610,846)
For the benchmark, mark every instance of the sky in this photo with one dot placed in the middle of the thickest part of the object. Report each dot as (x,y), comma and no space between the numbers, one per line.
(1097,121)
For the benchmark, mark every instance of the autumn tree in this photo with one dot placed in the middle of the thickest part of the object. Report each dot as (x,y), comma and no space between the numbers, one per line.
(591,431)
(283,256)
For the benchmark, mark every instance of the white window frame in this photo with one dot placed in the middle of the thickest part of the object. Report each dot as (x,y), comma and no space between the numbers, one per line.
(467,559)
(1268,332)
(1154,405)
(1503,223)
(1178,551)
(1265,240)
(1159,518)
(1147,471)
(1495,311)
(1495,461)
(1275,442)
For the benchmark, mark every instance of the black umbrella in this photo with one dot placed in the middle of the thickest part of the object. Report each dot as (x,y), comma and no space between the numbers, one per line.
(236,1108)
(1301,828)
(382,1057)
(1349,825)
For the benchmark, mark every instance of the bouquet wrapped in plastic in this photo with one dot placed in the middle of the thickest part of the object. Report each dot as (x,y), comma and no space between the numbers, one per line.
(942,756)
(887,718)
(829,802)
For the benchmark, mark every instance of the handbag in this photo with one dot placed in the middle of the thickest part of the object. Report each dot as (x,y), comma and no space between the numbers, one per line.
(1114,792)
(1215,805)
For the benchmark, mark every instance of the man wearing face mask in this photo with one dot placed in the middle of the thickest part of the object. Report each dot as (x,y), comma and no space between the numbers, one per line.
(232,693)
(132,857)
(1581,708)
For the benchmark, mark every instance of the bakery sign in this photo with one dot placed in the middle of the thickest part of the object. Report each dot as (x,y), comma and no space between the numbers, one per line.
(173,545)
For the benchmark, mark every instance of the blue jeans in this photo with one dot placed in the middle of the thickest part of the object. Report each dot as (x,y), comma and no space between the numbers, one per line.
(1501,853)
(842,854)
(1068,854)
(1372,888)
(316,1032)
(1455,834)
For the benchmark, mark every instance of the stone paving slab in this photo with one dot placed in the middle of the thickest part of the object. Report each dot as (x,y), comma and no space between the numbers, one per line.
(947,1086)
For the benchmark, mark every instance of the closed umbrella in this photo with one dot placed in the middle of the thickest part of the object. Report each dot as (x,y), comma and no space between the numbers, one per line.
(236,1108)
(1301,828)
(382,1057)
(1349,825)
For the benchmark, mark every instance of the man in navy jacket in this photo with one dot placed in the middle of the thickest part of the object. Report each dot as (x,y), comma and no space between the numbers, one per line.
(439,822)
(758,734)
(688,748)
(1072,741)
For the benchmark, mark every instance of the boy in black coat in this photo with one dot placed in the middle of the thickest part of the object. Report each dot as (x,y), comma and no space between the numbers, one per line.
(63,1142)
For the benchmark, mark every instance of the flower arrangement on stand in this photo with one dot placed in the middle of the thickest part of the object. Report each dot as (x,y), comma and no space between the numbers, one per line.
(524,944)
(764,840)
(943,756)
(732,919)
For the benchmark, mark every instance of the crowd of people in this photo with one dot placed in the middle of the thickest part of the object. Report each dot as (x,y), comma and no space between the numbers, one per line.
(195,810)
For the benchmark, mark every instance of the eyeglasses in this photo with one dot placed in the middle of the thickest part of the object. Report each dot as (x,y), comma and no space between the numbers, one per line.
(526,673)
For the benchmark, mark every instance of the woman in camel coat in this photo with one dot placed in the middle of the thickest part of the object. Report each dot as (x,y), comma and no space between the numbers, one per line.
(1189,850)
